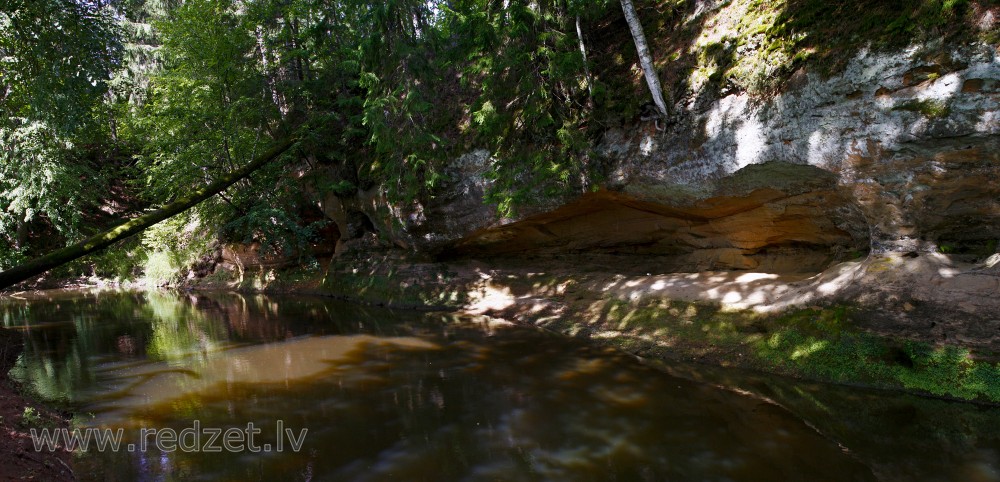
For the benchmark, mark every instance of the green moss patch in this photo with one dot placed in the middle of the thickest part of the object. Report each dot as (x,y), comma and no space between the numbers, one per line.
(932,109)
(820,344)
(824,344)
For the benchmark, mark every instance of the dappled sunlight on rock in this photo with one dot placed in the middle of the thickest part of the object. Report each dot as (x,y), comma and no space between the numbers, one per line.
(749,277)
(895,286)
(806,350)
(733,289)
(731,298)
(490,298)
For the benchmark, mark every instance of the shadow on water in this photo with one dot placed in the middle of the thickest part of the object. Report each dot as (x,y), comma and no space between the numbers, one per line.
(404,396)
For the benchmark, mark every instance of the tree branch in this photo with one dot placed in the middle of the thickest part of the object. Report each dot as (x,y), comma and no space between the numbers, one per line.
(129,228)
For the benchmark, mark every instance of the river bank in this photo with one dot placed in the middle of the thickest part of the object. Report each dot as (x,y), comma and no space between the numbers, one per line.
(18,415)
(880,322)
(750,325)
(862,323)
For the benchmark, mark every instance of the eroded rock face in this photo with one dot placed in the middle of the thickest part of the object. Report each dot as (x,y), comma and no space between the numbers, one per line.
(898,153)
(243,256)
(804,226)
(913,138)
(937,195)
(456,211)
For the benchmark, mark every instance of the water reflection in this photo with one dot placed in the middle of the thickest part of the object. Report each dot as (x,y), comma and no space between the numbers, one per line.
(443,411)
(133,387)
(406,396)
(69,334)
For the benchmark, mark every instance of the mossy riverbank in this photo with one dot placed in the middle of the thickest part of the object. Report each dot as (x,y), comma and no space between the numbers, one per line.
(817,343)
(833,342)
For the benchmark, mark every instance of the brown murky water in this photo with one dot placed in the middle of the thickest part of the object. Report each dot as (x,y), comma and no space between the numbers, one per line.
(388,395)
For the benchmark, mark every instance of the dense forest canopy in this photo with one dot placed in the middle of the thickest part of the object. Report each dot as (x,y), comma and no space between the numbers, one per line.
(148,99)
(111,107)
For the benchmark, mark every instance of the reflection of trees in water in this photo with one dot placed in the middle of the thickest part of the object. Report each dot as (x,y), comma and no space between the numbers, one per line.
(263,318)
(180,329)
(68,335)
(248,318)
(63,334)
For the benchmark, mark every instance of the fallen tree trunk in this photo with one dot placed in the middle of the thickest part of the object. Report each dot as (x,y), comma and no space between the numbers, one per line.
(104,239)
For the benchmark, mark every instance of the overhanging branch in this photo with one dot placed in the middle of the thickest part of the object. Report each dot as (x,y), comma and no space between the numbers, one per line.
(129,228)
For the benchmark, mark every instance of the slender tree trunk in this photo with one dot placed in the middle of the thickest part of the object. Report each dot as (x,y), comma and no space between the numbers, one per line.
(293,26)
(112,122)
(645,59)
(21,238)
(102,240)
(269,76)
(583,52)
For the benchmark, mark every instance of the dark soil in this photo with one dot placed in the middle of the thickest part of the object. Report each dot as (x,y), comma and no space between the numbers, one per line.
(18,458)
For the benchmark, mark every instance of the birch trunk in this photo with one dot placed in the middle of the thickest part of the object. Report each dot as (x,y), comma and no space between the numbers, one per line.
(645,59)
(583,52)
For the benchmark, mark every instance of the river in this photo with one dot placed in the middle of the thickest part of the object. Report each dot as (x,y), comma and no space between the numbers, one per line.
(336,391)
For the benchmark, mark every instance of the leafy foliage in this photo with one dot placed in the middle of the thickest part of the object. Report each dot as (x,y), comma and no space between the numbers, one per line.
(533,102)
(173,245)
(56,57)
(149,99)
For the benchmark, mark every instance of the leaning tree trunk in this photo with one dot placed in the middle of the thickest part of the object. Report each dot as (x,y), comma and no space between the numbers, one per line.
(104,239)
(645,59)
